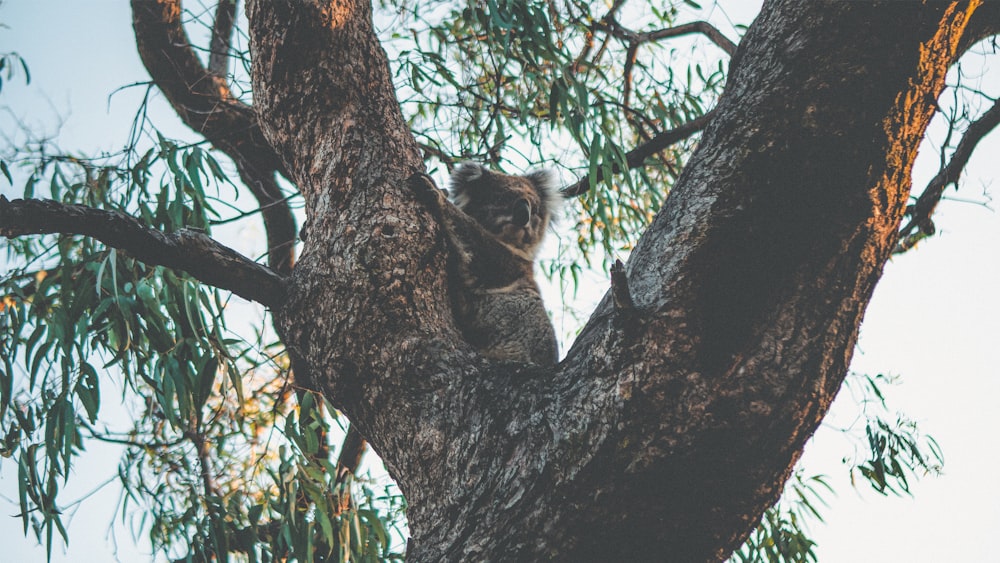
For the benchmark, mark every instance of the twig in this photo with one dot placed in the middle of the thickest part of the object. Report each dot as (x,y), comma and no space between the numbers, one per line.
(619,287)
(708,30)
(203,449)
(351,451)
(921,211)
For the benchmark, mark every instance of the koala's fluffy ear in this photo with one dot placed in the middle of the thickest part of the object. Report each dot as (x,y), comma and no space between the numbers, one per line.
(462,179)
(544,181)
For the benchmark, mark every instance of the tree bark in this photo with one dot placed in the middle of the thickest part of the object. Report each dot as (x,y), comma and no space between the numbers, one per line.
(673,424)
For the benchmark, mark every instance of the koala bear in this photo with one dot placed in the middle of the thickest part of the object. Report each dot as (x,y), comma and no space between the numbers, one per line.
(494,229)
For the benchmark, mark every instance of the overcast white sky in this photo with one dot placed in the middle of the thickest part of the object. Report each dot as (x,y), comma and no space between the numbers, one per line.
(934,320)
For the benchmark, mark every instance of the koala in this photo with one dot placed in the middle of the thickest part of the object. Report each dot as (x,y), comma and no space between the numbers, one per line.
(494,229)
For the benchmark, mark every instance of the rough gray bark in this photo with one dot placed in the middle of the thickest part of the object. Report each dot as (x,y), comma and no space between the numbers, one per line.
(669,427)
(677,415)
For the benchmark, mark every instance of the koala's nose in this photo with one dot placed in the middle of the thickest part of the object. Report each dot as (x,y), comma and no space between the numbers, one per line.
(522,212)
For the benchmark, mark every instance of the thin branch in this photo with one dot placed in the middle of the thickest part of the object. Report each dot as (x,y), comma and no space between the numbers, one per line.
(222,37)
(204,452)
(105,436)
(279,224)
(708,30)
(430,150)
(630,56)
(588,41)
(244,214)
(588,45)
(637,156)
(613,10)
(351,451)
(923,209)
(188,250)
(610,25)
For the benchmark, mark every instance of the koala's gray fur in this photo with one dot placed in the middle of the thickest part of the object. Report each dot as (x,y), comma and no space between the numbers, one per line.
(495,228)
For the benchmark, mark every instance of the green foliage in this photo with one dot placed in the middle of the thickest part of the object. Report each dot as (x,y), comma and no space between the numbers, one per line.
(73,308)
(10,65)
(219,459)
(511,82)
(898,452)
(780,536)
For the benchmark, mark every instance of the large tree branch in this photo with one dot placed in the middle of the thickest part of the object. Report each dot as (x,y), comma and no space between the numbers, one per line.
(343,104)
(187,250)
(327,102)
(222,34)
(983,24)
(203,100)
(761,264)
(923,209)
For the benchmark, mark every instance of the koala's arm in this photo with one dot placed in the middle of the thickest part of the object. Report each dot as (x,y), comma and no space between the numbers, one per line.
(482,255)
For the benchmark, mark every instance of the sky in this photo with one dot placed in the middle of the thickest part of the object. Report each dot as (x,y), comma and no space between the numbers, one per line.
(934,320)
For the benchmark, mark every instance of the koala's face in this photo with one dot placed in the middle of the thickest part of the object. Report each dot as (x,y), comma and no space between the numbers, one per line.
(514,208)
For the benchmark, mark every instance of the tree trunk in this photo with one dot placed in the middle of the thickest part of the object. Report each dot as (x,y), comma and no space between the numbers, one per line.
(670,427)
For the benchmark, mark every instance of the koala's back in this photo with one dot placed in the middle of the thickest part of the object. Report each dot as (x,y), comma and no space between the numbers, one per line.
(508,325)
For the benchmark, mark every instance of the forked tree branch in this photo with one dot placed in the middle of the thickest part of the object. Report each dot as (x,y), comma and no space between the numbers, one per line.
(203,100)
(187,250)
(923,209)
(637,156)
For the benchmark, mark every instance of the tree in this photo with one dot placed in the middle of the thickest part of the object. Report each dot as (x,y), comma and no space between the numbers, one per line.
(683,404)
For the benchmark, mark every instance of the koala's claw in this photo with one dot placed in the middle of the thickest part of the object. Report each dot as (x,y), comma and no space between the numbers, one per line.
(421,182)
(426,190)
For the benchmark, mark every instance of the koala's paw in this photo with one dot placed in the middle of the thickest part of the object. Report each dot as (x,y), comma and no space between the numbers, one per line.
(425,189)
